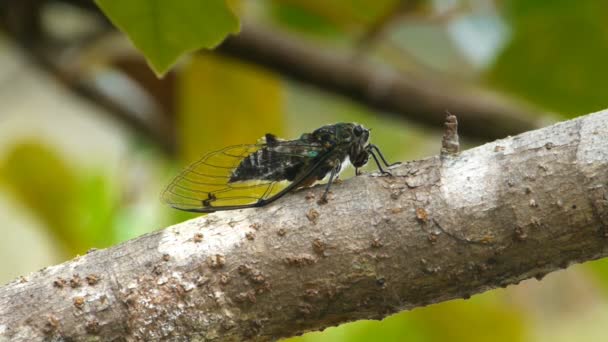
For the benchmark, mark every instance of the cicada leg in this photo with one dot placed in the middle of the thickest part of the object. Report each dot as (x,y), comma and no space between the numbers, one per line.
(332,176)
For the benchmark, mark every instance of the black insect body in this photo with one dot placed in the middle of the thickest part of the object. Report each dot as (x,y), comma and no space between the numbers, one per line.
(244,176)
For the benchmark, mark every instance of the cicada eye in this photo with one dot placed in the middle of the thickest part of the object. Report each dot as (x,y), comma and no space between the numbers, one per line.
(358,130)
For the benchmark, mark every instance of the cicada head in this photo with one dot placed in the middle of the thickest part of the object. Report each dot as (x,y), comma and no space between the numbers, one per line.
(358,153)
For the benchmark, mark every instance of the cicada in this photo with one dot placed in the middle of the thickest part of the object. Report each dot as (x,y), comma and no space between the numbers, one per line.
(246,176)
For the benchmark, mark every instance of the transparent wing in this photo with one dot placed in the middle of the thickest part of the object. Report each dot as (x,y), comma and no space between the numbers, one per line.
(205,185)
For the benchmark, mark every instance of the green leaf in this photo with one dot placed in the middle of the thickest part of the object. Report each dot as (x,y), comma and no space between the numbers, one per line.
(557,55)
(164,30)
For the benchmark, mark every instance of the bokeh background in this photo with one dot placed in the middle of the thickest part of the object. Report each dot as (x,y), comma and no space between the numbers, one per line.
(89,136)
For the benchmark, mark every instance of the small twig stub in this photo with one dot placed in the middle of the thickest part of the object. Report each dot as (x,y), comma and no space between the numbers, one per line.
(450,144)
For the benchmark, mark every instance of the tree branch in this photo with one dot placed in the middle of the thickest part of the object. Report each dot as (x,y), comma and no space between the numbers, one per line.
(482,114)
(440,228)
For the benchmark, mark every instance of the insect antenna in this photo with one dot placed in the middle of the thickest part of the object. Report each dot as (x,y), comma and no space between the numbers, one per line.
(383,171)
(372,150)
(377,149)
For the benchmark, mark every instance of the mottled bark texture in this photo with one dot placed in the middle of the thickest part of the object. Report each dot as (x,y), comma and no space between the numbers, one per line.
(440,228)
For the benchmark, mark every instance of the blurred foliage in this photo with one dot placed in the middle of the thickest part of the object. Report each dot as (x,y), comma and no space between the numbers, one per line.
(164,30)
(599,270)
(323,17)
(225,102)
(77,209)
(485,317)
(557,55)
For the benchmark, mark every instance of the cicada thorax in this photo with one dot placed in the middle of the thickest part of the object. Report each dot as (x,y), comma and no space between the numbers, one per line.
(278,162)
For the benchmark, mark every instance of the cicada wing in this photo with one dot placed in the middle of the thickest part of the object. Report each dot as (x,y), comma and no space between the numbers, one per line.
(205,185)
(208,185)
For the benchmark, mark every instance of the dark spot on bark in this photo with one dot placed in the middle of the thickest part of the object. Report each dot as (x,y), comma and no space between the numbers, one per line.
(244,297)
(421,215)
(244,269)
(312,215)
(250,236)
(311,294)
(91,250)
(257,277)
(75,281)
(255,226)
(216,261)
(574,206)
(318,246)
(376,243)
(539,276)
(395,210)
(253,328)
(499,148)
(281,232)
(527,190)
(228,324)
(304,309)
(92,327)
(492,261)
(198,237)
(60,283)
(300,260)
(79,302)
(466,296)
(431,270)
(224,279)
(201,281)
(166,257)
(549,145)
(51,325)
(92,279)
(519,234)
(157,270)
(432,237)
(265,287)
(380,281)
(510,183)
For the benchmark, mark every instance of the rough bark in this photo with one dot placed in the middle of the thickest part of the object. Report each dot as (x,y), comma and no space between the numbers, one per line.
(440,228)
